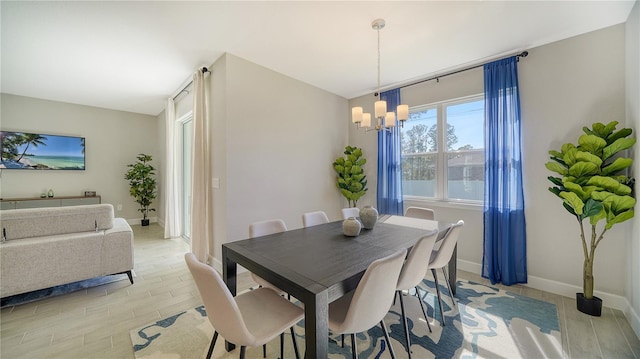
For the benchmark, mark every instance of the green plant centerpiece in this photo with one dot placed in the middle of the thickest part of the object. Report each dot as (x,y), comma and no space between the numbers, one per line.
(351,180)
(142,185)
(592,185)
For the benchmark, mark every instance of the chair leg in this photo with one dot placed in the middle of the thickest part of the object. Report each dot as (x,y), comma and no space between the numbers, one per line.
(404,321)
(243,349)
(354,347)
(264,350)
(282,345)
(426,317)
(213,344)
(295,343)
(386,337)
(343,340)
(446,279)
(435,277)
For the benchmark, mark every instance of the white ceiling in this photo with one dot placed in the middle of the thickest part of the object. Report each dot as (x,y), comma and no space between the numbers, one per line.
(131,56)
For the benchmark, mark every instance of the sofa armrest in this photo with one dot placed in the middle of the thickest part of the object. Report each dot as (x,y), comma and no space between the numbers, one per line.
(117,249)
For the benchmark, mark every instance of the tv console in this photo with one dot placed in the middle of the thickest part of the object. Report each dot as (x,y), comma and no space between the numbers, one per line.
(38,202)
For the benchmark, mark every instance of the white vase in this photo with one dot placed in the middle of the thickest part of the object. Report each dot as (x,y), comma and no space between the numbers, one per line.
(369,217)
(351,227)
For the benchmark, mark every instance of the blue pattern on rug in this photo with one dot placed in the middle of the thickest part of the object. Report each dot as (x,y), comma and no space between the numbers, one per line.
(487,322)
(162,323)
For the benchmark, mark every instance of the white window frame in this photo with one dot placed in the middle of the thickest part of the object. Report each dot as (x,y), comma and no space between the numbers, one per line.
(441,186)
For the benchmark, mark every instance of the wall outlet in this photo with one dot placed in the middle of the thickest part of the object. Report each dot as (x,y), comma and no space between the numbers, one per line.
(119,207)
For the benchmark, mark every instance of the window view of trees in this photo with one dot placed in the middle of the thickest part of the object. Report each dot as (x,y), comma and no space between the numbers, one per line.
(462,161)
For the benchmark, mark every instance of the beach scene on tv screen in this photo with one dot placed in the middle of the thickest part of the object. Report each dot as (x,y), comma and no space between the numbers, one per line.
(21,150)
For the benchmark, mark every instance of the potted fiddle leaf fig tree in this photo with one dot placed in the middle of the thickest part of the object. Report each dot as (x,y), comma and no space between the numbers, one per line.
(142,185)
(592,184)
(351,180)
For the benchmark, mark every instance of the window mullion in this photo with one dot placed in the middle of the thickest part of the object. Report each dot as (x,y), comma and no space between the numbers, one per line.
(441,188)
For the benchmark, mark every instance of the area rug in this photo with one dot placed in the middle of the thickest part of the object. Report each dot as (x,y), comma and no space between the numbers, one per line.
(29,297)
(486,323)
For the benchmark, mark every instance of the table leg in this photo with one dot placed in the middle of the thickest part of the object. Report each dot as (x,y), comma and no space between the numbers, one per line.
(452,269)
(229,275)
(316,326)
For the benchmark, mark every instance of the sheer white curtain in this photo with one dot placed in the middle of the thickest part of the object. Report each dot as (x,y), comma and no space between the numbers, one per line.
(172,174)
(201,191)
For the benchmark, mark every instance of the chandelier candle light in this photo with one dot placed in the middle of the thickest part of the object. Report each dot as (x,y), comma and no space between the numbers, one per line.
(384,120)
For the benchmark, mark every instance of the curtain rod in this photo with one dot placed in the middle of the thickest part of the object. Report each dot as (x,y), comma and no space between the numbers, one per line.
(522,54)
(184,89)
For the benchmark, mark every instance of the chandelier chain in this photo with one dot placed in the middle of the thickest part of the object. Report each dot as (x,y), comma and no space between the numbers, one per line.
(378,63)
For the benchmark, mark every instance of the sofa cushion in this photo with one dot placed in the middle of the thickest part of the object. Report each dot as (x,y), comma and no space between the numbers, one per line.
(41,222)
(42,262)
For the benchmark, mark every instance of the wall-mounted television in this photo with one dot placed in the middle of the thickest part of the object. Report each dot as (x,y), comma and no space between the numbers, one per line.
(35,151)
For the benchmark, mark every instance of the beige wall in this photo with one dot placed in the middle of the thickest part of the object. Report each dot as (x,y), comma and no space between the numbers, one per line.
(632,96)
(274,139)
(563,86)
(113,140)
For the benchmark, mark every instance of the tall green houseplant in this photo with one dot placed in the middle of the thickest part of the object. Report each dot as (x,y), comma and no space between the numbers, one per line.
(351,180)
(592,185)
(142,184)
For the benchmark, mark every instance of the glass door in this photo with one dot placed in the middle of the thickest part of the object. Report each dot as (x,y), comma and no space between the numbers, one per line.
(187,143)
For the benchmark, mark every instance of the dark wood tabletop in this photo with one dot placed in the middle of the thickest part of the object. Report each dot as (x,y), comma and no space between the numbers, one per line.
(316,265)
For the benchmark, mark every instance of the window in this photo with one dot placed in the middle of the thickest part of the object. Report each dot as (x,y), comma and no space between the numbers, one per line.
(443,151)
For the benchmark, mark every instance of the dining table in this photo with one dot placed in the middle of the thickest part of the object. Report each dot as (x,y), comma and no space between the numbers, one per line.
(319,264)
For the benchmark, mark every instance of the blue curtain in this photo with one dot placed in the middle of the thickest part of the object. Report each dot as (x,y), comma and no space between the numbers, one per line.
(389,162)
(505,246)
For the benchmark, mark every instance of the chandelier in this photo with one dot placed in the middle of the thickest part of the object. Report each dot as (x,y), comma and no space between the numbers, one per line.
(383,120)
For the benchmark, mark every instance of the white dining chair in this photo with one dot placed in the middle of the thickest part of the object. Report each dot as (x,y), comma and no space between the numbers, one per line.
(350,212)
(252,319)
(413,271)
(314,218)
(265,228)
(420,212)
(366,306)
(441,257)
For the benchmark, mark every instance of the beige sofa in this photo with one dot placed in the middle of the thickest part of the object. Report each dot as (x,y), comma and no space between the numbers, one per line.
(45,247)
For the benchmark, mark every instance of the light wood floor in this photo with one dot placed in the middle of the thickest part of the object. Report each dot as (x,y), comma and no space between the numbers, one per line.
(95,323)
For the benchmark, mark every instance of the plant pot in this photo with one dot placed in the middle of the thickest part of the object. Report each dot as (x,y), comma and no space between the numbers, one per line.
(591,306)
(145,222)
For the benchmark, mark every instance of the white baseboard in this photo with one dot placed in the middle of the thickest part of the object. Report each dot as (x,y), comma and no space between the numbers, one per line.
(568,290)
(469,267)
(136,221)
